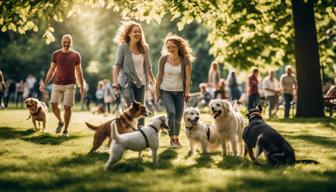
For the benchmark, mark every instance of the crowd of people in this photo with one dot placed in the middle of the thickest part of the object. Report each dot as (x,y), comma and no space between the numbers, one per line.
(133,78)
(12,91)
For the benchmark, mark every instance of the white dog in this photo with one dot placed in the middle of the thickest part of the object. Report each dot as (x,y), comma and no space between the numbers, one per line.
(146,137)
(230,125)
(198,132)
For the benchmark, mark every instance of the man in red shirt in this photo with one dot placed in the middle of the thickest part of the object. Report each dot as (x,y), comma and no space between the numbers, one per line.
(65,66)
(253,93)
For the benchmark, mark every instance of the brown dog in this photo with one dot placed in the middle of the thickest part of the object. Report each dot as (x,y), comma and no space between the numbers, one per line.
(38,111)
(125,122)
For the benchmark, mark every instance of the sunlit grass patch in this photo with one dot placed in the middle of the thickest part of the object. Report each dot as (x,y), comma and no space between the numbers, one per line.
(35,161)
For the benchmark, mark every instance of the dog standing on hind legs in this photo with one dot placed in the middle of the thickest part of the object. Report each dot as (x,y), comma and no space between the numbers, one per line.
(266,140)
(125,122)
(146,137)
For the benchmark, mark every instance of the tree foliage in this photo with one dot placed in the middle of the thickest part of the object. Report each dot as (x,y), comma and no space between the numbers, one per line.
(241,33)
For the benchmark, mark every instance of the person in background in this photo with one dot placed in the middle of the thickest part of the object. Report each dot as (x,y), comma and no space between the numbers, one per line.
(205,96)
(100,95)
(235,92)
(2,90)
(10,92)
(19,93)
(108,95)
(288,87)
(271,91)
(31,80)
(213,78)
(132,70)
(173,82)
(221,91)
(253,92)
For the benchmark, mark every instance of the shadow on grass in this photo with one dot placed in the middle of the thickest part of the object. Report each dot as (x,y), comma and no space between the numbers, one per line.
(324,141)
(280,182)
(231,162)
(48,139)
(137,165)
(11,133)
(84,159)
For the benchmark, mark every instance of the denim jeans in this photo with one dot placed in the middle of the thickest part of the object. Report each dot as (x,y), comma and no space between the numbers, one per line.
(271,102)
(253,101)
(288,98)
(174,104)
(133,93)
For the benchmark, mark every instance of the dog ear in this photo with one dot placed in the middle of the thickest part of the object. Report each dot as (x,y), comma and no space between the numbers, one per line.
(136,105)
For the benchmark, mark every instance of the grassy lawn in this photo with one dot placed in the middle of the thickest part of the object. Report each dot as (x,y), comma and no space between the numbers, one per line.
(32,161)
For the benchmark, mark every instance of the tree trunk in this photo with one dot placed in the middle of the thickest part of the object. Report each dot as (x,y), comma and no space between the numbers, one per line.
(310,99)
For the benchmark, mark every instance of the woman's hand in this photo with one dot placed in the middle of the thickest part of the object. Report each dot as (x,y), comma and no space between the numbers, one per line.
(158,96)
(186,96)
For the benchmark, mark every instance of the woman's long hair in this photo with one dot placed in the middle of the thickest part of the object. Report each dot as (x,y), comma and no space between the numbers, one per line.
(184,50)
(123,32)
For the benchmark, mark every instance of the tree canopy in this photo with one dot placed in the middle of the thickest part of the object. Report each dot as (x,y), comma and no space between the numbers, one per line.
(241,33)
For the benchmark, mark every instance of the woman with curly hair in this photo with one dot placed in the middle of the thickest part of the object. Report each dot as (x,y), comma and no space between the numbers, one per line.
(173,82)
(132,71)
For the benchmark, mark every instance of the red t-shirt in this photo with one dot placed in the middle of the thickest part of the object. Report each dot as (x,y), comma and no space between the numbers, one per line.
(253,85)
(65,66)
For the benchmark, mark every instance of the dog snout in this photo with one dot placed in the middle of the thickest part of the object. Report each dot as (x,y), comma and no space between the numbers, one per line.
(197,118)
(213,108)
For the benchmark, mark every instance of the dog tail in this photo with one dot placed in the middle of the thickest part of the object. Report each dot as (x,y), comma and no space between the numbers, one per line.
(91,126)
(114,133)
(307,161)
(29,117)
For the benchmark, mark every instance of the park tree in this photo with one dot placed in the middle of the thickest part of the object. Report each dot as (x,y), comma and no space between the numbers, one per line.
(241,33)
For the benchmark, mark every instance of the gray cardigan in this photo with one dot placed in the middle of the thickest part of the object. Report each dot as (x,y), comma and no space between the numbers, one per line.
(127,73)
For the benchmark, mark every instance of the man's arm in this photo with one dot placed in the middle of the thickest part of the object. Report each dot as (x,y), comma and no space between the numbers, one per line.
(50,74)
(79,75)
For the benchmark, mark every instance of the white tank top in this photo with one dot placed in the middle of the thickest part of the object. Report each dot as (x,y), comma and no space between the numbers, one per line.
(172,78)
(138,60)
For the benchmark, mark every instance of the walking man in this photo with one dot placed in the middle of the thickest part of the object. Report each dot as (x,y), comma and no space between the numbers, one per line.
(253,92)
(271,91)
(288,87)
(66,66)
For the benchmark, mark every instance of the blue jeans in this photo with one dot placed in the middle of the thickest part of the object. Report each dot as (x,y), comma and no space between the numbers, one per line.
(133,93)
(271,102)
(288,98)
(174,104)
(253,101)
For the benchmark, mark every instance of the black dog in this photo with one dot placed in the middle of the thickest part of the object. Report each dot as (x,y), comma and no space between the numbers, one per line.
(262,136)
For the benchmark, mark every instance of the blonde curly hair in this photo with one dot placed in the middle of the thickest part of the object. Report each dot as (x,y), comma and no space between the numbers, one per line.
(123,32)
(184,50)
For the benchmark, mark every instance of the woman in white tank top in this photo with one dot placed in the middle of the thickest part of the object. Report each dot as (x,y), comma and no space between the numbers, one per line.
(173,82)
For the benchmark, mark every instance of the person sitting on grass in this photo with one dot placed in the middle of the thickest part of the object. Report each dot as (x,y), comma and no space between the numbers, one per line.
(205,96)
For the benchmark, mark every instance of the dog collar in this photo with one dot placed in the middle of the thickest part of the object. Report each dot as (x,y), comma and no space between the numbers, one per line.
(256,113)
(38,112)
(154,128)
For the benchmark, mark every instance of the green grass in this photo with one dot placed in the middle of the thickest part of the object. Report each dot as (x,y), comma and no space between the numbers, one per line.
(32,161)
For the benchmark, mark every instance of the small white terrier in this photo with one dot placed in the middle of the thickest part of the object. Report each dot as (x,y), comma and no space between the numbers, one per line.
(146,137)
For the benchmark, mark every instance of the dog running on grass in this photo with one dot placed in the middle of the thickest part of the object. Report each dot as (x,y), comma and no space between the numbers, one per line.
(125,122)
(38,112)
(266,140)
